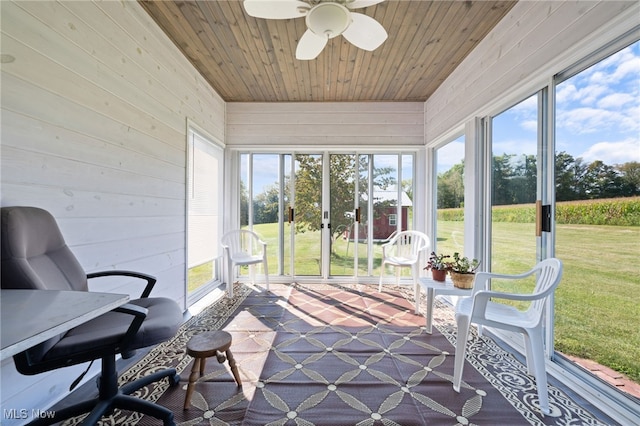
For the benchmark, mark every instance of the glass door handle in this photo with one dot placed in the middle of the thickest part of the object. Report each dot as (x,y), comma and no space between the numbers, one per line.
(543,218)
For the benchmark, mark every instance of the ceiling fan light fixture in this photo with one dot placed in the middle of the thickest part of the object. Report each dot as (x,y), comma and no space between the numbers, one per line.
(328,19)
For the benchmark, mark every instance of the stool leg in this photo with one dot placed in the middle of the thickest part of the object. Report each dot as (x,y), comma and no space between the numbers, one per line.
(234,367)
(192,382)
(202,364)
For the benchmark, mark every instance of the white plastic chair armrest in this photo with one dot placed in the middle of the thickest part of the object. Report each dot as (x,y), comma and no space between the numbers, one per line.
(488,294)
(482,298)
(489,275)
(482,281)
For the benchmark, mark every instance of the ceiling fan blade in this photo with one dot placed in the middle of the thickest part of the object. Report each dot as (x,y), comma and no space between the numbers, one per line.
(365,32)
(357,4)
(310,46)
(276,9)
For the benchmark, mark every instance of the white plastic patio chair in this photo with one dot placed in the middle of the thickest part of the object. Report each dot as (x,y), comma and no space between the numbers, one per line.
(403,250)
(480,310)
(244,247)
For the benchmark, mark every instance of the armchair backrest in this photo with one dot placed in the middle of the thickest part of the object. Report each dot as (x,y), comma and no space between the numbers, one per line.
(35,256)
(34,253)
(242,241)
(407,244)
(549,273)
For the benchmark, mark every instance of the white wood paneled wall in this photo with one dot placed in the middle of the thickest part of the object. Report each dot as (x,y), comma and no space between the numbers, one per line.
(534,41)
(95,100)
(326,124)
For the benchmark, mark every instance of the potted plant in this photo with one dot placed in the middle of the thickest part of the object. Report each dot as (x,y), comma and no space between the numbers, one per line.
(438,265)
(462,270)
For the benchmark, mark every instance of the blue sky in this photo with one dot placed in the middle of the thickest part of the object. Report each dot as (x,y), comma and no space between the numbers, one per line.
(597,116)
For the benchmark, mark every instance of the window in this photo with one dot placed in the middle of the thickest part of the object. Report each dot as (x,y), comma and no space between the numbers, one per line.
(205,167)
(393,220)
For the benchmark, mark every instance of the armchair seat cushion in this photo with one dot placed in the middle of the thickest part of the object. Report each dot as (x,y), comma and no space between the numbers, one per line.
(163,320)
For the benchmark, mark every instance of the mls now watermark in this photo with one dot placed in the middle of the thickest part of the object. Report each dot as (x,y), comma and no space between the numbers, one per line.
(23,414)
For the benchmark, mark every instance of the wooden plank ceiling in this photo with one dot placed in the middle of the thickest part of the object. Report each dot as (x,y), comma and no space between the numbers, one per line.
(246,59)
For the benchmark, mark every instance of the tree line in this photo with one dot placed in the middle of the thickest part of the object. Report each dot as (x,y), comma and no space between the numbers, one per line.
(514,180)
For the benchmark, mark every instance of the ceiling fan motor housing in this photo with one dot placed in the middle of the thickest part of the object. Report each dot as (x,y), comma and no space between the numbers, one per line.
(328,19)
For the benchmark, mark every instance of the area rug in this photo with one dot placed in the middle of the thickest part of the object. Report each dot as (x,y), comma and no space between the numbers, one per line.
(343,355)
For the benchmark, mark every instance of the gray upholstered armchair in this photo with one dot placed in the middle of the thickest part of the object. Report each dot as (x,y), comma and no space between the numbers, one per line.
(35,256)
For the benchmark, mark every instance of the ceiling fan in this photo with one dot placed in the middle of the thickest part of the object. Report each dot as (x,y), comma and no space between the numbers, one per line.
(325,19)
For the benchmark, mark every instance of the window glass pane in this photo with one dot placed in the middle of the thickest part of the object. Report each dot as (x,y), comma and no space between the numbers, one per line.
(385,195)
(342,214)
(514,183)
(260,202)
(514,144)
(244,190)
(308,214)
(597,170)
(450,198)
(365,228)
(407,190)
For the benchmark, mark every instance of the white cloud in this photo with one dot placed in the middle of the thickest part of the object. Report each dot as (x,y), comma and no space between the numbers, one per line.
(583,120)
(616,100)
(596,120)
(613,152)
(589,95)
(628,68)
(615,68)
(566,93)
(531,125)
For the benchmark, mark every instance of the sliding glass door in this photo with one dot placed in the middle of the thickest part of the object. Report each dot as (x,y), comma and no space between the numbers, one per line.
(326,214)
(597,192)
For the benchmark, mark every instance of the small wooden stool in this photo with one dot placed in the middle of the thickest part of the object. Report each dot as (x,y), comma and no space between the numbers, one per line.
(204,346)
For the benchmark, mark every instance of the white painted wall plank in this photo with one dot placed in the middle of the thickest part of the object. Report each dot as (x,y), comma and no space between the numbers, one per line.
(84,121)
(370,124)
(324,107)
(52,140)
(94,96)
(66,202)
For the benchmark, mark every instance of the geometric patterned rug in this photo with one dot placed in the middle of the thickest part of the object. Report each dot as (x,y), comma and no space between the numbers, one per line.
(342,355)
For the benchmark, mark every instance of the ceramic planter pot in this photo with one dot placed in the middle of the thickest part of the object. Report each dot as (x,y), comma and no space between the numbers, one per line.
(438,275)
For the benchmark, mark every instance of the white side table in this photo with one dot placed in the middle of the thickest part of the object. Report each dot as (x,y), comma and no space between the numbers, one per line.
(437,288)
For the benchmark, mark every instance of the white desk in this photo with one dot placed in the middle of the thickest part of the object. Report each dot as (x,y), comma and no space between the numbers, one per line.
(29,317)
(437,288)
